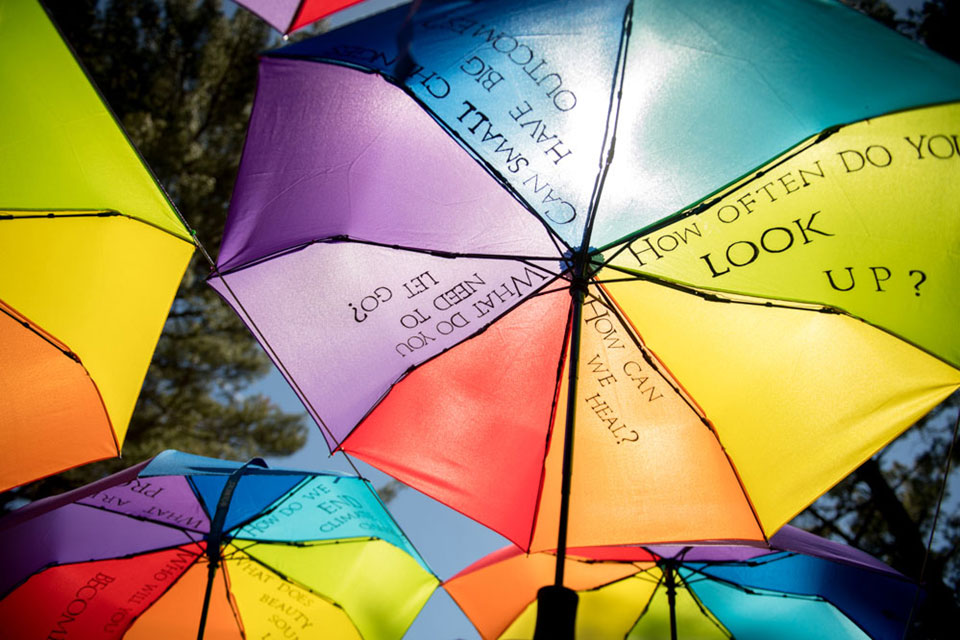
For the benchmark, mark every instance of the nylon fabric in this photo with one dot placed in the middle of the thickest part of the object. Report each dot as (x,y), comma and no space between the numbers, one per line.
(341,573)
(133,547)
(384,323)
(715,399)
(349,159)
(335,508)
(172,462)
(516,579)
(504,382)
(95,534)
(289,15)
(834,582)
(654,623)
(828,224)
(55,130)
(166,500)
(751,616)
(252,494)
(94,599)
(714,90)
(606,613)
(792,365)
(645,464)
(721,591)
(539,121)
(272,605)
(177,613)
(71,417)
(103,286)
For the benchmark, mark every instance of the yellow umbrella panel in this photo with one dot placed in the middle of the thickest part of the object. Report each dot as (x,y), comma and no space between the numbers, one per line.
(91,254)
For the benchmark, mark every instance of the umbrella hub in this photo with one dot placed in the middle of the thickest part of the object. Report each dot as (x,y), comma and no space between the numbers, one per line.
(582,265)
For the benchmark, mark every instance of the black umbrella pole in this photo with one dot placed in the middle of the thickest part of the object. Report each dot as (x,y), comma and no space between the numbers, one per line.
(672,599)
(216,532)
(556,604)
(211,575)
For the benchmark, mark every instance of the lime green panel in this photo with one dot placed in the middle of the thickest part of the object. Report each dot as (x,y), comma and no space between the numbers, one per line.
(102,286)
(271,607)
(605,613)
(798,398)
(60,148)
(866,220)
(381,588)
(693,623)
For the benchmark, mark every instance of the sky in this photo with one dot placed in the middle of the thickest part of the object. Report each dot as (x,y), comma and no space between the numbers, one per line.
(447,540)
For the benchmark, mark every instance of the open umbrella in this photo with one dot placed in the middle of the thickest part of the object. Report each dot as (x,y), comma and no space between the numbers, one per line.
(287,16)
(183,545)
(607,272)
(91,253)
(800,586)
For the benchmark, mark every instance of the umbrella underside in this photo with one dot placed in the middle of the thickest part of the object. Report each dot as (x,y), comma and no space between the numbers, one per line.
(765,273)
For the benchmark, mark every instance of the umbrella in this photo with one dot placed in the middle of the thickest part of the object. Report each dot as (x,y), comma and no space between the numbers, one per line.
(91,254)
(182,545)
(704,244)
(287,16)
(800,586)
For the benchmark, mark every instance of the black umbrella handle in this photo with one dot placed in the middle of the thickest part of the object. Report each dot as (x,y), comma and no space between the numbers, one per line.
(671,584)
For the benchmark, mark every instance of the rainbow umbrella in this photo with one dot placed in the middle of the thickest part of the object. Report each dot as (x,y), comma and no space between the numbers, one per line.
(609,272)
(91,254)
(287,16)
(182,545)
(798,587)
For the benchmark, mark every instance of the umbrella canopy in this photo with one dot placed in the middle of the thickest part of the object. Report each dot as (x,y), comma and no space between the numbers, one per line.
(287,16)
(183,543)
(800,586)
(91,254)
(685,262)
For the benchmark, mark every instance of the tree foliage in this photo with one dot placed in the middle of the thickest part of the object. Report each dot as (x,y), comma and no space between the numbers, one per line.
(180,76)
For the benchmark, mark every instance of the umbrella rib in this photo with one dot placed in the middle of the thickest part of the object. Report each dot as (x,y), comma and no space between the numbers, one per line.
(271,507)
(755,591)
(542,290)
(144,519)
(553,415)
(722,192)
(262,338)
(293,17)
(293,581)
(169,586)
(61,214)
(501,180)
(312,410)
(605,300)
(703,608)
(346,238)
(610,128)
(661,369)
(774,303)
(716,296)
(40,333)
(129,556)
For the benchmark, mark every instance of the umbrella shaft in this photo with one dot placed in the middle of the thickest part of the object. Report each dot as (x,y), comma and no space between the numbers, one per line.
(577,294)
(211,575)
(672,600)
